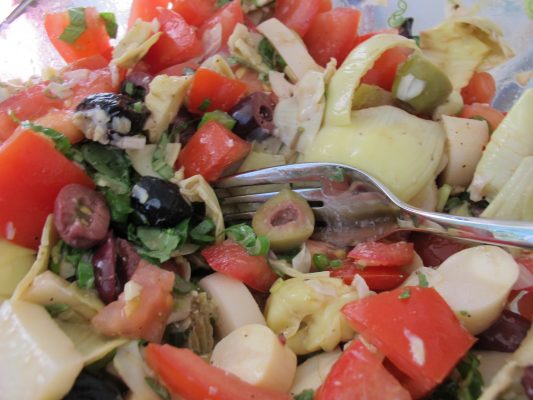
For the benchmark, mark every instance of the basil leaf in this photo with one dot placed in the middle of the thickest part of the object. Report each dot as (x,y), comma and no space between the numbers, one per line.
(307,394)
(76,27)
(119,205)
(85,274)
(110,24)
(201,232)
(108,161)
(205,105)
(159,244)
(270,56)
(159,163)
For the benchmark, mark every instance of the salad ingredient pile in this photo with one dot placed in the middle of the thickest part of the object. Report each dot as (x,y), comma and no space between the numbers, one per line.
(120,278)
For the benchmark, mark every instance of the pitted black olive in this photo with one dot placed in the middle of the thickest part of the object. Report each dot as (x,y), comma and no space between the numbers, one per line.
(136,85)
(159,203)
(254,115)
(125,115)
(406,28)
(505,334)
(184,126)
(90,387)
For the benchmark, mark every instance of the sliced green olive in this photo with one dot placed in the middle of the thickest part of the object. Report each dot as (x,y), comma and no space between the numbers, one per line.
(421,85)
(366,96)
(286,220)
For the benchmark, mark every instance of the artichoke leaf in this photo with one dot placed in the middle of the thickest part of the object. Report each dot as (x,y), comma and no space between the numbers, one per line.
(15,262)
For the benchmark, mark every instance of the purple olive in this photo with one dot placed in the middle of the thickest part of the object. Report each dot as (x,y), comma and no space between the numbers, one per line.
(184,125)
(255,117)
(105,275)
(128,260)
(505,334)
(81,216)
(527,382)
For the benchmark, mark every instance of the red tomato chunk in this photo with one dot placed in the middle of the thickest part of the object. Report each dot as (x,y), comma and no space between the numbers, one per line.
(377,254)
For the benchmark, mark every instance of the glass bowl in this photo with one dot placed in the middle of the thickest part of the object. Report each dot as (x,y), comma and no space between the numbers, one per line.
(26,50)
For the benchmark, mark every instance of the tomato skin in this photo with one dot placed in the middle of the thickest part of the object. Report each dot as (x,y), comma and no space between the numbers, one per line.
(359,374)
(32,172)
(211,150)
(149,316)
(392,323)
(331,35)
(232,259)
(180,69)
(377,254)
(219,92)
(384,70)
(480,89)
(433,249)
(93,41)
(228,16)
(26,105)
(91,63)
(188,376)
(377,278)
(98,81)
(194,12)
(178,43)
(297,14)
(146,10)
(493,116)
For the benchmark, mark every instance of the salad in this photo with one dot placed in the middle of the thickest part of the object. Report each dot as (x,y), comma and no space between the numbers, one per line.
(120,277)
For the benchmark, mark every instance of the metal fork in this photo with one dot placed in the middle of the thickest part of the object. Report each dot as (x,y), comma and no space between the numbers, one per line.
(360,208)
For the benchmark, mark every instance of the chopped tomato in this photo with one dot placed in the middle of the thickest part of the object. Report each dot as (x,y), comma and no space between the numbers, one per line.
(29,104)
(31,175)
(61,121)
(360,374)
(377,278)
(384,70)
(377,254)
(480,89)
(145,10)
(228,16)
(415,329)
(433,249)
(188,376)
(297,14)
(178,42)
(521,301)
(211,150)
(232,259)
(143,317)
(93,41)
(325,5)
(331,35)
(211,91)
(92,63)
(195,12)
(180,69)
(484,112)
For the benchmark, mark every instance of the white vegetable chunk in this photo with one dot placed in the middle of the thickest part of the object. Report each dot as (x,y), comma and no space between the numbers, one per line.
(475,283)
(256,355)
(39,362)
(465,141)
(313,371)
(235,304)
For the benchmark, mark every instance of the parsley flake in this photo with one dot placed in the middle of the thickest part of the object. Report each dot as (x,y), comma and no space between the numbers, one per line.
(405,294)
(422,280)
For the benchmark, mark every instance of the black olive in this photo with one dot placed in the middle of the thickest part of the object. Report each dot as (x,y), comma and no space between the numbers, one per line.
(406,29)
(159,203)
(136,85)
(254,115)
(119,108)
(90,387)
(505,334)
(184,126)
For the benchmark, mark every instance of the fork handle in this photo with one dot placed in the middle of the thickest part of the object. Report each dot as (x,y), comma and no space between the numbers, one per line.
(503,233)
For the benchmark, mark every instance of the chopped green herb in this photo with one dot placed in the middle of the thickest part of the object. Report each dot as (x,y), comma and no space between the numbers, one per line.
(221,117)
(111,163)
(76,27)
(119,205)
(56,309)
(261,247)
(129,88)
(335,264)
(110,24)
(245,236)
(307,394)
(422,280)
(270,55)
(158,244)
(465,313)
(320,261)
(138,107)
(159,162)
(187,71)
(405,294)
(85,274)
(159,389)
(200,233)
(204,106)
(337,175)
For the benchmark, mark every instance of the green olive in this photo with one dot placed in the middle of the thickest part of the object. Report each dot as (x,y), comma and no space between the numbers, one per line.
(421,85)
(286,220)
(366,96)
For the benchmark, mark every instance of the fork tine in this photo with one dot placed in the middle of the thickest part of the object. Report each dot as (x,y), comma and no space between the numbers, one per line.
(306,172)
(311,194)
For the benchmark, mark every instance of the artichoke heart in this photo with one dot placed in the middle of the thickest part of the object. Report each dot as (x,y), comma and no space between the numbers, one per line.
(399,149)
